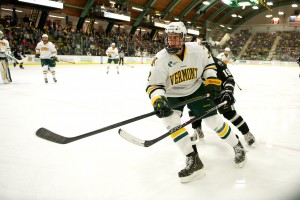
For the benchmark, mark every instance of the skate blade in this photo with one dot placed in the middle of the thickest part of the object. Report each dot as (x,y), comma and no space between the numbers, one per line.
(242,164)
(194,176)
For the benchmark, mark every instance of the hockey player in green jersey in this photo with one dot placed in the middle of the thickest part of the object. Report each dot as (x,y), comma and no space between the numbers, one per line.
(228,111)
(185,70)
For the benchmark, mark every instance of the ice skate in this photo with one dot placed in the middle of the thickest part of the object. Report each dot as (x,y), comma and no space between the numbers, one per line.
(46,80)
(54,79)
(250,139)
(240,155)
(198,135)
(194,169)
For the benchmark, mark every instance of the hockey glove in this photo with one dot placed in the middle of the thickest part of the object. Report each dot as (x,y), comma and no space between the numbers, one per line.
(55,58)
(161,107)
(213,87)
(228,96)
(37,55)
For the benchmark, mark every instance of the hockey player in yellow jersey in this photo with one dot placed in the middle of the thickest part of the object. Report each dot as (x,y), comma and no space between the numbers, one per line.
(46,51)
(4,52)
(182,71)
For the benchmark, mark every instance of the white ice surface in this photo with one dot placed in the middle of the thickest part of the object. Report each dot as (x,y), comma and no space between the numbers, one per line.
(107,167)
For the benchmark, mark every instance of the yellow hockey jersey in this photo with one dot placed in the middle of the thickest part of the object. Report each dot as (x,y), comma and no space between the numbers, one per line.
(4,48)
(46,51)
(172,77)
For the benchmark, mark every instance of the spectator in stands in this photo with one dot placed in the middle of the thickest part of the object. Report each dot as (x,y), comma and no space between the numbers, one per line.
(15,19)
(26,20)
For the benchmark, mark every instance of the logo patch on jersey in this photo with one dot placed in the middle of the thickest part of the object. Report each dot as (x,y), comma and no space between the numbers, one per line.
(170,64)
(45,49)
(183,75)
(3,44)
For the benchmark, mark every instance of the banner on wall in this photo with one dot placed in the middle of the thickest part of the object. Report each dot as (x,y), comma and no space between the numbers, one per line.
(30,59)
(294,21)
(275,20)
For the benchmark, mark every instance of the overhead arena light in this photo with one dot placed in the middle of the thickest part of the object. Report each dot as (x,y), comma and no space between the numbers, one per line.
(8,9)
(116,16)
(136,8)
(46,3)
(55,16)
(269,3)
(240,3)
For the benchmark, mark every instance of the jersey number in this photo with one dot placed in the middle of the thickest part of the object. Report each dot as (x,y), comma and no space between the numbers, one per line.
(227,72)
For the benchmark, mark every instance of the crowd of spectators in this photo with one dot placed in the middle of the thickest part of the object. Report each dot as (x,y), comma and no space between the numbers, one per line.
(79,42)
(69,42)
(237,42)
(288,47)
(260,46)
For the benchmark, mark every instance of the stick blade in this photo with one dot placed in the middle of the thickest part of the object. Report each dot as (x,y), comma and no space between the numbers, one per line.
(50,136)
(124,134)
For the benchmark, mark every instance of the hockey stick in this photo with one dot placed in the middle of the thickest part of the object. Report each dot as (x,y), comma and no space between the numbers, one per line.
(129,66)
(53,137)
(66,61)
(148,143)
(238,86)
(13,58)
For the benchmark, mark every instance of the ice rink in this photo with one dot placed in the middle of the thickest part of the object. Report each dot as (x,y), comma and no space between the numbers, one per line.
(107,167)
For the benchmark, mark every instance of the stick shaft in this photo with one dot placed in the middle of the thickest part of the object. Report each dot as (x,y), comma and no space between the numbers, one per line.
(53,137)
(148,143)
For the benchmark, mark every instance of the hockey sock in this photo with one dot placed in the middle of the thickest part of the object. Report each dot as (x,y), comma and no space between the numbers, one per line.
(223,130)
(237,121)
(183,141)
